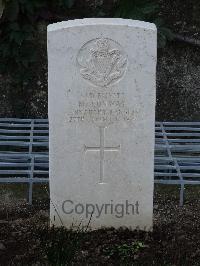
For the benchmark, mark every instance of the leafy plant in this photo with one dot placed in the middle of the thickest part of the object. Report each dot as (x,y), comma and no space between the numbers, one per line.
(124,251)
(136,9)
(146,10)
(18,48)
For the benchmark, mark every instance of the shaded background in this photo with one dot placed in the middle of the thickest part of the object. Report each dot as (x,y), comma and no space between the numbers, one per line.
(178,69)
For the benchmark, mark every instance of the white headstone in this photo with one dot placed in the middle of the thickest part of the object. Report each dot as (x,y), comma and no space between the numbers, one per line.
(101,118)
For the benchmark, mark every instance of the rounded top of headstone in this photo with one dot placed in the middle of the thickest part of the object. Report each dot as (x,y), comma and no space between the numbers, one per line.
(101,21)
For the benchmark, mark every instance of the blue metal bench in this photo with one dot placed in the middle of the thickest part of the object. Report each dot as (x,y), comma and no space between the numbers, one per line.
(24,153)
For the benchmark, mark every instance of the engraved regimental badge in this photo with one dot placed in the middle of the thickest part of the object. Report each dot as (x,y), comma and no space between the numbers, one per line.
(102,62)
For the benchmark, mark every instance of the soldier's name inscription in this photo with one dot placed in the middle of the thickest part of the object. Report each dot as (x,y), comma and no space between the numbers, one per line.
(101,107)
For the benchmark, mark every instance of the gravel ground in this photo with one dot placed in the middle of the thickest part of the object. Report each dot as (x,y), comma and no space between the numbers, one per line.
(25,237)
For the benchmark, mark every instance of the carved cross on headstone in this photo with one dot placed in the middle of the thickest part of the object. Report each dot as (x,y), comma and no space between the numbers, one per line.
(102,149)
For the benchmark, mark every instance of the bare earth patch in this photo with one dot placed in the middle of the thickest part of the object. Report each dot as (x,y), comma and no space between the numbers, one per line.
(25,237)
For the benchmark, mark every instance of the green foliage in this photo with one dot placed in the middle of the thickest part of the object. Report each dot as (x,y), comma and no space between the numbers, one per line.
(17,32)
(18,48)
(146,10)
(18,29)
(125,251)
(136,9)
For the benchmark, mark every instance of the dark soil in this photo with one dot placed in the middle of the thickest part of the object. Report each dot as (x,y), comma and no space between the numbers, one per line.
(26,240)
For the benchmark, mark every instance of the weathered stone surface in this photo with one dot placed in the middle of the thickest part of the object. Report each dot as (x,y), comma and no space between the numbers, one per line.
(101,114)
